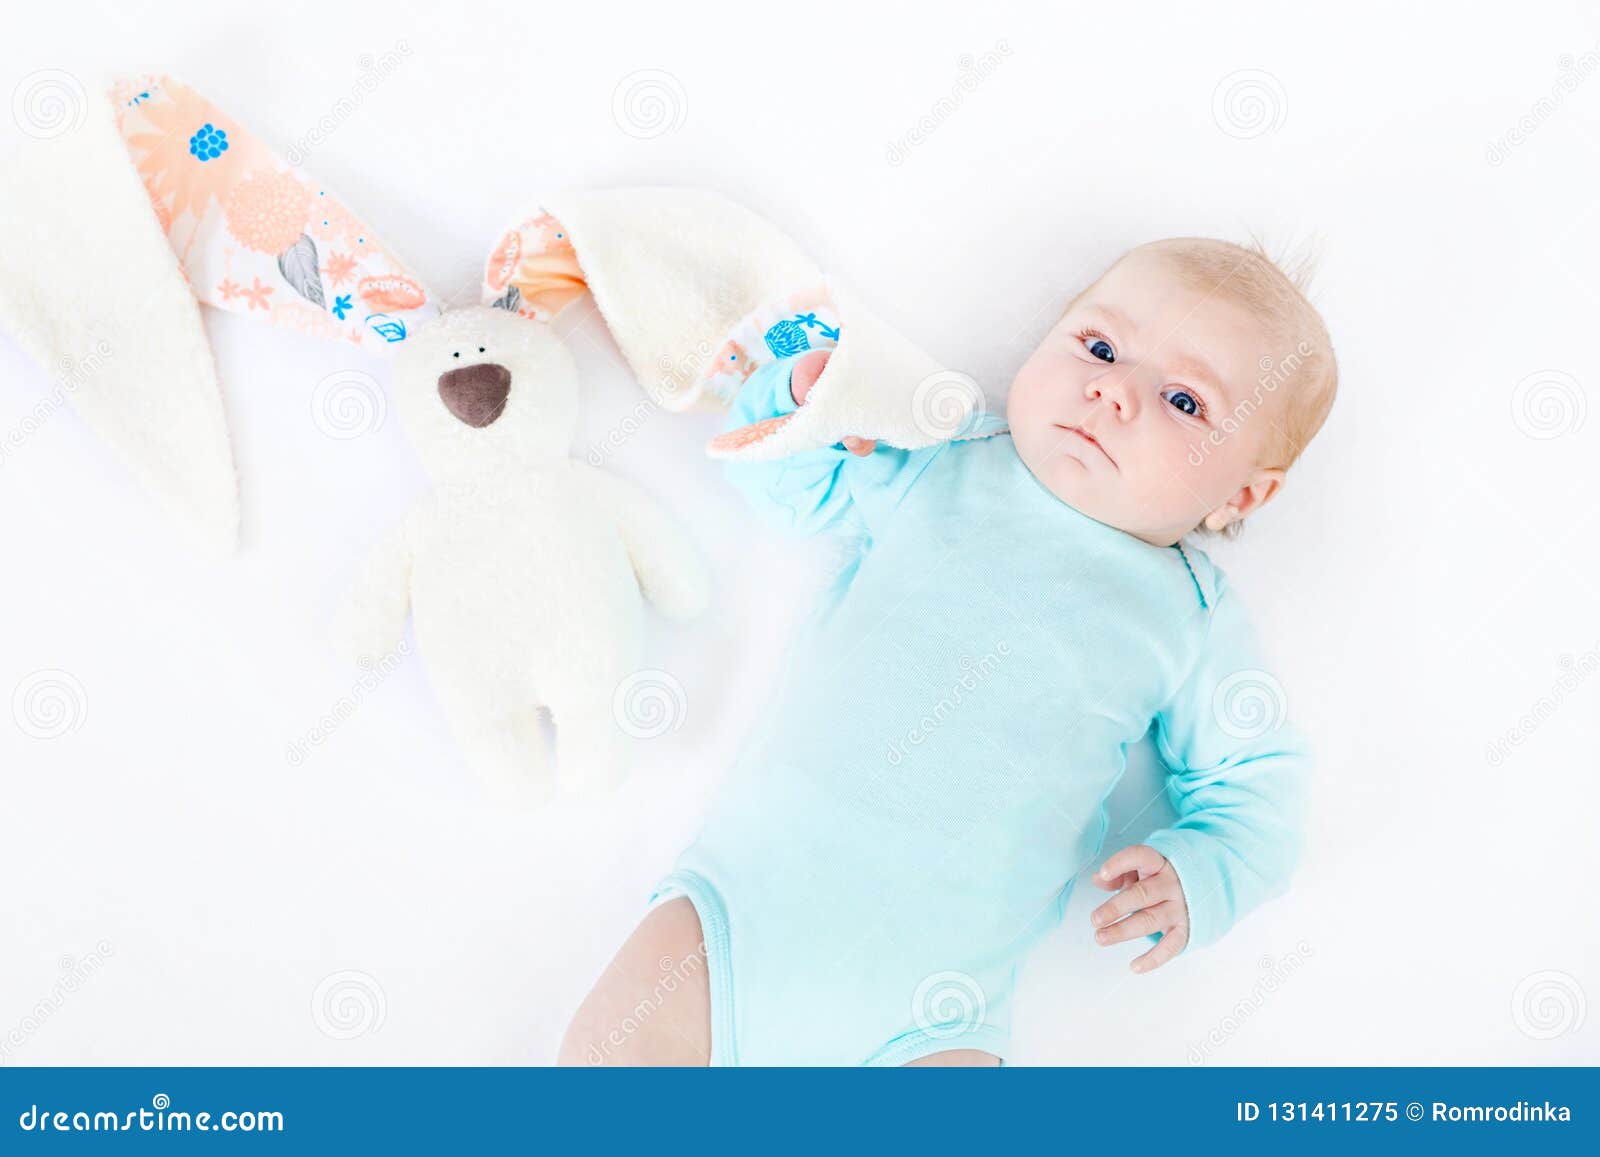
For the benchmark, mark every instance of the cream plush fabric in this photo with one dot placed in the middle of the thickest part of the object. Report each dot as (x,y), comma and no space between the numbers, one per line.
(134,359)
(674,271)
(524,570)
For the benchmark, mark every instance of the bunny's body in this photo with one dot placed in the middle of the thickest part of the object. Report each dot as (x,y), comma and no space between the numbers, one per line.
(524,570)
(526,596)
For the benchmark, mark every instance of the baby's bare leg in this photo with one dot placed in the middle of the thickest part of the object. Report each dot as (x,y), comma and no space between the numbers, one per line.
(652,1005)
(955,1058)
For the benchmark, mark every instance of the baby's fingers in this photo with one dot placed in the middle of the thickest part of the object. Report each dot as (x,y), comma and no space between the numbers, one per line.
(1171,944)
(1117,884)
(1141,859)
(1145,922)
(1141,894)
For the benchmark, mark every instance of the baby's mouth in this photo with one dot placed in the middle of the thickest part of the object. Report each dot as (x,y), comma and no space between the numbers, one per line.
(1089,438)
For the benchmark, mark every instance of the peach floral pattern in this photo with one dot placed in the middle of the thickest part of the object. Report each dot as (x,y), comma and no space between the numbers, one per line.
(161,137)
(257,295)
(341,267)
(246,226)
(534,270)
(267,211)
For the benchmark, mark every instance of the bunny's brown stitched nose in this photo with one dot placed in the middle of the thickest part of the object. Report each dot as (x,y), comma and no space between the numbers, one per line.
(476,394)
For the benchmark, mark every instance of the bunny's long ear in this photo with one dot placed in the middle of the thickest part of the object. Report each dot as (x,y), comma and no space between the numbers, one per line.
(91,290)
(699,291)
(115,230)
(672,271)
(254,234)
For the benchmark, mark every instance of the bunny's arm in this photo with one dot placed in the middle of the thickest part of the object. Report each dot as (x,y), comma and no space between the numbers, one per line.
(372,619)
(668,567)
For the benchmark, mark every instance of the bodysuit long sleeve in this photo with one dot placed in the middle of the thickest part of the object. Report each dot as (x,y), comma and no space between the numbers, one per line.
(912,814)
(1237,775)
(828,489)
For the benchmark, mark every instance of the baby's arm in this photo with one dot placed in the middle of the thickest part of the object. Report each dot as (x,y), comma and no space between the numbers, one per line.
(1238,781)
(822,489)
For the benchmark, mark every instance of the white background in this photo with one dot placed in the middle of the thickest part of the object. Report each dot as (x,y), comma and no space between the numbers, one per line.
(1429,575)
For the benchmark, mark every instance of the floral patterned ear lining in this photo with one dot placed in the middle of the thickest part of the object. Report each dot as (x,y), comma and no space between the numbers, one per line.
(534,270)
(253,234)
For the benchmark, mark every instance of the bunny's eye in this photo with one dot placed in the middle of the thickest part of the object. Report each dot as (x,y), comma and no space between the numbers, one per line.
(480,349)
(456,354)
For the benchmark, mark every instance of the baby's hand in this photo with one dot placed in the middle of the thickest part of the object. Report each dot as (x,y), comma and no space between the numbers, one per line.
(804,375)
(1149,899)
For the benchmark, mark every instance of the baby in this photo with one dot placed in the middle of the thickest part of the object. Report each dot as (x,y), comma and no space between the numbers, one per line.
(1021,608)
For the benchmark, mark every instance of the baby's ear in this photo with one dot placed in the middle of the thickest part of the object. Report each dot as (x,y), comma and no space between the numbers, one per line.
(1261,488)
(152,200)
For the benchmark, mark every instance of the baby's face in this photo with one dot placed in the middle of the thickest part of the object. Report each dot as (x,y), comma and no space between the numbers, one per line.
(1118,404)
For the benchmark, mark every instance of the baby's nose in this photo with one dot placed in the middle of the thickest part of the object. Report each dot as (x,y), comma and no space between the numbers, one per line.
(476,394)
(1117,392)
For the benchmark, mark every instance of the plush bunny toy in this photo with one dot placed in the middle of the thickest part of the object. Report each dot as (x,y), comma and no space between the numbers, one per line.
(524,571)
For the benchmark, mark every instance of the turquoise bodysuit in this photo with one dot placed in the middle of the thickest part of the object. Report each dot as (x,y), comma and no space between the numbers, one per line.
(912,817)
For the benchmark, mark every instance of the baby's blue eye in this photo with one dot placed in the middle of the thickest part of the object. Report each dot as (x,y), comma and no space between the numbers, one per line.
(1185,401)
(1099,347)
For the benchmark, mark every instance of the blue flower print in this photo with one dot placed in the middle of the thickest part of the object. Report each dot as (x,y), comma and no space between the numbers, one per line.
(786,339)
(390,329)
(809,320)
(208,143)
